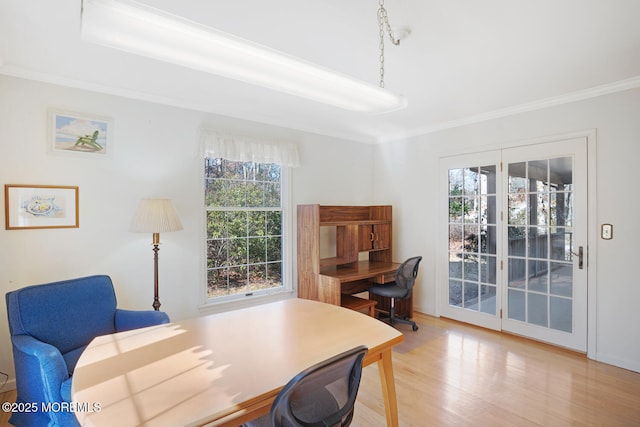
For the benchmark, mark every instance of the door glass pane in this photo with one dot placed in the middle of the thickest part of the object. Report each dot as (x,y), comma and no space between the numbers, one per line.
(488,299)
(561,244)
(517,273)
(471,296)
(517,178)
(540,237)
(516,305)
(538,242)
(537,309)
(537,176)
(538,276)
(517,209)
(488,237)
(455,265)
(488,269)
(517,241)
(561,279)
(455,293)
(471,181)
(455,182)
(561,312)
(473,242)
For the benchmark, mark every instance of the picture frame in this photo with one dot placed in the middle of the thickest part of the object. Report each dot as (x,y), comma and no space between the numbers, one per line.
(40,206)
(80,134)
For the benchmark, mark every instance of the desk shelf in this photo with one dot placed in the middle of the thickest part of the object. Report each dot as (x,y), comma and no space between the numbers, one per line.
(360,232)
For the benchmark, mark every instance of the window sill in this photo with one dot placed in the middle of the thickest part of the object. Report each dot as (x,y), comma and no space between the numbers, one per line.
(235,304)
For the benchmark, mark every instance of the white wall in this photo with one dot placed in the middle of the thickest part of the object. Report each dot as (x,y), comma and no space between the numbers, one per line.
(407,177)
(155,155)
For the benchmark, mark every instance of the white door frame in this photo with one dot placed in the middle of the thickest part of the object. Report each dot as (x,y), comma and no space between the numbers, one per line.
(592,224)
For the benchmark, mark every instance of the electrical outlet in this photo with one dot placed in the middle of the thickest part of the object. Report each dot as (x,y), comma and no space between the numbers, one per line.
(606,231)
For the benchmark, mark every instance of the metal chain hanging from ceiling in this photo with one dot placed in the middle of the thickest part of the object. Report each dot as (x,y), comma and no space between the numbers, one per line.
(383,24)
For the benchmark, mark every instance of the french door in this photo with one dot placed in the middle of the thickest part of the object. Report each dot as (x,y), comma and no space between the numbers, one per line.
(516,233)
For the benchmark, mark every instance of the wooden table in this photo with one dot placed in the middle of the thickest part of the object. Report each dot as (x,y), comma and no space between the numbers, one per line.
(222,369)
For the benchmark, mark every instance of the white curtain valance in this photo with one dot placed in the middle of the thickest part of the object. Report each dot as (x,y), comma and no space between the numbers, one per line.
(243,149)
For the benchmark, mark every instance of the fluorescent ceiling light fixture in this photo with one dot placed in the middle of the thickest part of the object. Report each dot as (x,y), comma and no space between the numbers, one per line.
(140,29)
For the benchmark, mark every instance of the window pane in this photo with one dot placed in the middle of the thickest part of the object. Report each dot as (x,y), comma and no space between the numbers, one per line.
(216,253)
(214,193)
(216,224)
(217,282)
(244,227)
(257,224)
(274,248)
(257,250)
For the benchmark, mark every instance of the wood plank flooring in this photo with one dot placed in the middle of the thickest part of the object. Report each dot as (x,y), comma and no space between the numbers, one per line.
(460,375)
(467,376)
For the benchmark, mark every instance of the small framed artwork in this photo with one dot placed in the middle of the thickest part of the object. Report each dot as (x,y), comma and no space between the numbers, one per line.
(76,133)
(40,206)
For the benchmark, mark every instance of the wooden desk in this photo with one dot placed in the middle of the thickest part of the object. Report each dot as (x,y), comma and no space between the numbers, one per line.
(378,272)
(222,369)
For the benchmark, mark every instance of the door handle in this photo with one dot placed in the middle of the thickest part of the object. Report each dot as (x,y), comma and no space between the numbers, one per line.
(580,256)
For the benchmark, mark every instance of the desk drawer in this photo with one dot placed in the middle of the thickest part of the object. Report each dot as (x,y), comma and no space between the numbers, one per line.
(383,278)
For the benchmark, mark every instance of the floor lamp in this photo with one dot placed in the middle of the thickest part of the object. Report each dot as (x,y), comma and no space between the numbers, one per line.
(155,216)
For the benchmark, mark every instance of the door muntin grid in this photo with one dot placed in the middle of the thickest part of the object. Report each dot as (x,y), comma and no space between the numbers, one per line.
(540,240)
(472,227)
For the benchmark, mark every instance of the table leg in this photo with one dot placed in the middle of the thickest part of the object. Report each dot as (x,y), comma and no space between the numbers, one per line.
(385,369)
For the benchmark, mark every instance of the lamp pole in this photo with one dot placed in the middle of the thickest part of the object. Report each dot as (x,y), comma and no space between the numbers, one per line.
(156,299)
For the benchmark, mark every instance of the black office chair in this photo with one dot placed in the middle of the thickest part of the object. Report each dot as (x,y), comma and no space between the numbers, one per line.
(322,395)
(401,288)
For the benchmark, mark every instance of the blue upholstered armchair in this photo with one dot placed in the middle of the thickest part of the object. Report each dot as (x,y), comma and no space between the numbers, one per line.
(50,326)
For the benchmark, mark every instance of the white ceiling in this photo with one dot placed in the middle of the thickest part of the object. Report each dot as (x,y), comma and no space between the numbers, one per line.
(465,60)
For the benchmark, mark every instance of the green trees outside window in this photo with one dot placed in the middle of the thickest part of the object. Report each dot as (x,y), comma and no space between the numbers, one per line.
(243,205)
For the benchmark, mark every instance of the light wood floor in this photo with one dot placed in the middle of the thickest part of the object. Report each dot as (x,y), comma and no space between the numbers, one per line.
(467,376)
(459,375)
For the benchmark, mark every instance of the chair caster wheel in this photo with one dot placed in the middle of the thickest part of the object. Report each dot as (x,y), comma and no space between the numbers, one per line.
(414,327)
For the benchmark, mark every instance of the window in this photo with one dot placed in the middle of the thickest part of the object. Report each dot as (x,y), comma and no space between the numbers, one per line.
(247,219)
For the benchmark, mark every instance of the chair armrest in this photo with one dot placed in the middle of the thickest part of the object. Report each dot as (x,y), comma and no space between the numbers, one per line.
(41,369)
(134,319)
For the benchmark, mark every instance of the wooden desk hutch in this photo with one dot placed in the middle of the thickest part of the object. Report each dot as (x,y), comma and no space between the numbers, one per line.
(358,229)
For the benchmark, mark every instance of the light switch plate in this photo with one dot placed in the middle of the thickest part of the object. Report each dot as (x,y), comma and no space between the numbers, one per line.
(606,231)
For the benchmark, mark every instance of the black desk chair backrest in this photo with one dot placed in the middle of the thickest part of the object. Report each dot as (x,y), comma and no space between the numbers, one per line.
(401,288)
(406,276)
(323,395)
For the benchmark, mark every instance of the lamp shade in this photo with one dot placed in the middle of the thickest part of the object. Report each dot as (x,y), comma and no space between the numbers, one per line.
(155,216)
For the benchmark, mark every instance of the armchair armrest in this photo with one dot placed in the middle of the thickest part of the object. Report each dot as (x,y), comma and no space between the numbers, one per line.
(134,319)
(42,367)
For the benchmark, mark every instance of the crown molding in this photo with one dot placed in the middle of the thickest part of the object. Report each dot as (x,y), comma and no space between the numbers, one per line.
(580,95)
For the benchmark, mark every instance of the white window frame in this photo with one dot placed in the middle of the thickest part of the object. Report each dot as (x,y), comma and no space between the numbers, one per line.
(244,149)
